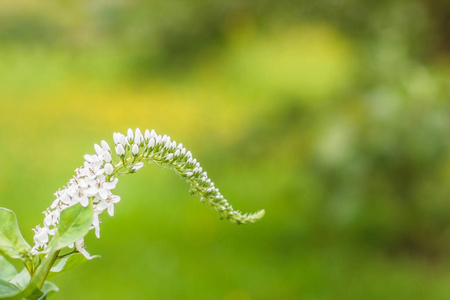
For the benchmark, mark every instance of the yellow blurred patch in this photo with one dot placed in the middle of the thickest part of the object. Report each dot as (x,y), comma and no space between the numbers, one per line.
(237,295)
(311,62)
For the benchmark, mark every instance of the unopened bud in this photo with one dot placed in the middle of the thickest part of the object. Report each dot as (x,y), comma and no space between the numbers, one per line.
(105,146)
(109,169)
(120,150)
(107,156)
(135,149)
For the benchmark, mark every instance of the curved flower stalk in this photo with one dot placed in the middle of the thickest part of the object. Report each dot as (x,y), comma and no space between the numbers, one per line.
(94,182)
(78,206)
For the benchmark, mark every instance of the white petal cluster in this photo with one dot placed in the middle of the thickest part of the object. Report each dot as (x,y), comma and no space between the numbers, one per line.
(92,182)
(96,180)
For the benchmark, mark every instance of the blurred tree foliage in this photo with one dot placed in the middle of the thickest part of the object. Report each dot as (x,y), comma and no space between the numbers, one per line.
(177,32)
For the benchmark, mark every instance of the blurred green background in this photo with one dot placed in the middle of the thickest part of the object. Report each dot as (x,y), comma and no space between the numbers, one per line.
(331,115)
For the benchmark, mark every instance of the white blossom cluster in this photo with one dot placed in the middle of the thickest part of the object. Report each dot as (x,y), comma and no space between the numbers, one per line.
(92,182)
(95,180)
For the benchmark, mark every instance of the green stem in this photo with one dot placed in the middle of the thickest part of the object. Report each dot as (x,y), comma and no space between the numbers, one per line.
(48,268)
(38,279)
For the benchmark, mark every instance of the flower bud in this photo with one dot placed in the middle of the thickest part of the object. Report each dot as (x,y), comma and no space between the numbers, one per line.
(116,136)
(130,134)
(147,135)
(138,132)
(98,149)
(151,143)
(122,139)
(135,149)
(120,150)
(109,169)
(137,167)
(165,139)
(138,139)
(107,156)
(105,146)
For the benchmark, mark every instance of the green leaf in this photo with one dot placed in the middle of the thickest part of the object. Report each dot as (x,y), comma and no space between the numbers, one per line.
(12,243)
(7,289)
(47,289)
(21,279)
(7,270)
(67,263)
(74,224)
(28,287)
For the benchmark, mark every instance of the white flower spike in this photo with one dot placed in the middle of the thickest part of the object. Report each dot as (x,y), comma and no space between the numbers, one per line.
(95,181)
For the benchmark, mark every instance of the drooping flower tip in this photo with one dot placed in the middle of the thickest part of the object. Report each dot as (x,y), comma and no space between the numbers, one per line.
(258,215)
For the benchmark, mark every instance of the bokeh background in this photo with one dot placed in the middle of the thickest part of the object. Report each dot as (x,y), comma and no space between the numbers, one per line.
(331,115)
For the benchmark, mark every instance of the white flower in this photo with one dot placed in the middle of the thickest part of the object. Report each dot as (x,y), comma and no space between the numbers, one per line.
(101,187)
(61,197)
(40,236)
(108,203)
(51,217)
(79,245)
(79,195)
(96,222)
(92,168)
